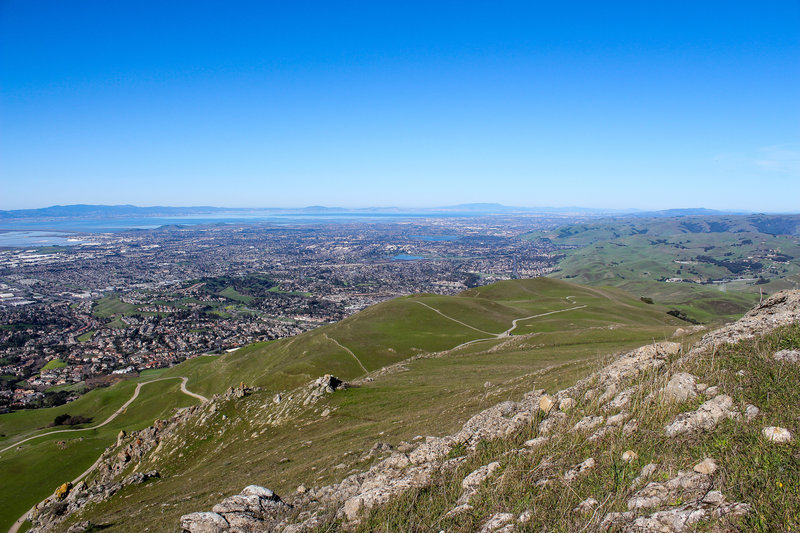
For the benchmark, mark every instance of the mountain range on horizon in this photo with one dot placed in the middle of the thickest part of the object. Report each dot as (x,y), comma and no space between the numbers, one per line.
(127,210)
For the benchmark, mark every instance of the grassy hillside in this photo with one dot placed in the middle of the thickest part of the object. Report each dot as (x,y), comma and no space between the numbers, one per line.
(395,330)
(711,268)
(425,393)
(31,471)
(750,470)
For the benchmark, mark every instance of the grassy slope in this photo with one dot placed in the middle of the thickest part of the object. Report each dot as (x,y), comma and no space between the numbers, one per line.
(622,254)
(33,472)
(751,470)
(111,305)
(426,396)
(395,330)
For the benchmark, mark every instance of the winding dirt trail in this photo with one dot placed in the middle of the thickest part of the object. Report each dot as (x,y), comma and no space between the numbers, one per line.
(506,333)
(21,520)
(116,413)
(493,336)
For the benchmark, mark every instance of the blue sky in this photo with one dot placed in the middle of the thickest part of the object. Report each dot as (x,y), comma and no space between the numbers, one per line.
(597,104)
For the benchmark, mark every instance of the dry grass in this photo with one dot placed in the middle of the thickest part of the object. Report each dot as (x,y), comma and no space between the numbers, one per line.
(752,470)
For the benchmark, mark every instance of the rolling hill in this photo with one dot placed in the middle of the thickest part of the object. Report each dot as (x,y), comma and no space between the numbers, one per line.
(423,361)
(712,268)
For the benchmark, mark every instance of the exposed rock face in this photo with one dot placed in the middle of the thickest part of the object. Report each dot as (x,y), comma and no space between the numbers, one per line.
(327,384)
(471,483)
(693,488)
(629,456)
(707,466)
(777,434)
(413,468)
(497,522)
(579,470)
(780,309)
(204,522)
(685,486)
(681,387)
(67,499)
(587,423)
(787,356)
(254,509)
(705,418)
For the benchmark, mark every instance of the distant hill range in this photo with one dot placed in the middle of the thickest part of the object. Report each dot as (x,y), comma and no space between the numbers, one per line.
(84,211)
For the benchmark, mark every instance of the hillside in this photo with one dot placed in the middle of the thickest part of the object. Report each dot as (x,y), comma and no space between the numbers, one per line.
(661,438)
(709,267)
(395,330)
(433,361)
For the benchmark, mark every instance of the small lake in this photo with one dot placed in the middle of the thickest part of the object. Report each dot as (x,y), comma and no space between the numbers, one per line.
(406,257)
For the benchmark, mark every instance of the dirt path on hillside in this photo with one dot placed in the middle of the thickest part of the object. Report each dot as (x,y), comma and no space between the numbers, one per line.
(506,333)
(348,350)
(454,319)
(21,520)
(116,413)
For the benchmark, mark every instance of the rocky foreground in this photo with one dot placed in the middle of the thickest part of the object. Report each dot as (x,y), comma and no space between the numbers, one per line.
(655,394)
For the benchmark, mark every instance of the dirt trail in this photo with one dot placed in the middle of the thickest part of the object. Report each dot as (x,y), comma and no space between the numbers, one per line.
(115,414)
(348,350)
(21,520)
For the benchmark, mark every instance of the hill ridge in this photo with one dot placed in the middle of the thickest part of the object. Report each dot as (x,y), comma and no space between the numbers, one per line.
(652,378)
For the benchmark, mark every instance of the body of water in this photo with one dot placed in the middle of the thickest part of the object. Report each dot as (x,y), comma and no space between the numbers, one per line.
(406,257)
(35,239)
(116,224)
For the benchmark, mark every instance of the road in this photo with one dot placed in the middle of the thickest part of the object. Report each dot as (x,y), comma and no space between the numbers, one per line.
(21,520)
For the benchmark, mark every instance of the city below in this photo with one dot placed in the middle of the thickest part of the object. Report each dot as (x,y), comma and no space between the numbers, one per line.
(80,310)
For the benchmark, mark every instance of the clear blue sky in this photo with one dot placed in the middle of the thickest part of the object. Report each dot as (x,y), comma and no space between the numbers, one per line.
(597,104)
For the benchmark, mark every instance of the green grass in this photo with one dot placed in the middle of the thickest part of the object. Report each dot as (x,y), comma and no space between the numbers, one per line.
(33,472)
(751,470)
(111,305)
(278,290)
(117,323)
(401,328)
(426,395)
(232,294)
(86,336)
(55,363)
(637,256)
(79,387)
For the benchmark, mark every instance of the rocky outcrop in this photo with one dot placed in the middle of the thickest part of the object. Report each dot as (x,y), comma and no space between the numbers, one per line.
(406,470)
(254,509)
(67,499)
(414,468)
(787,356)
(681,387)
(705,418)
(780,309)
